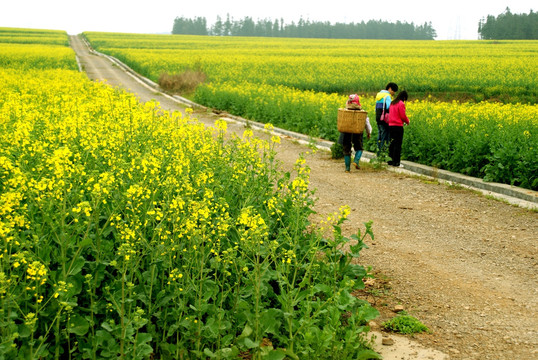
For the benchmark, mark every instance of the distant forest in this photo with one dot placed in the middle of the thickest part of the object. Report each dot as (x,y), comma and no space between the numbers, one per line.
(509,26)
(373,29)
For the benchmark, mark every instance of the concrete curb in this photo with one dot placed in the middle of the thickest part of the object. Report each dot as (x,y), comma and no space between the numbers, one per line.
(503,189)
(529,198)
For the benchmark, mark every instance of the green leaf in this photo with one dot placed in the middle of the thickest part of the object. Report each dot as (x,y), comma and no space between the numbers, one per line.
(275,355)
(291,354)
(143,338)
(165,300)
(270,320)
(355,271)
(78,325)
(24,331)
(143,351)
(227,339)
(246,332)
(107,327)
(85,243)
(368,355)
(209,353)
(228,353)
(76,265)
(326,289)
(367,312)
(250,344)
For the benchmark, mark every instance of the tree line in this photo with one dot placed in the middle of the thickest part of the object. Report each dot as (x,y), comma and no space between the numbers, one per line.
(373,29)
(509,26)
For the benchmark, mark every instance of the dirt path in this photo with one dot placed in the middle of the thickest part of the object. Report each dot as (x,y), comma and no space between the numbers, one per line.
(465,265)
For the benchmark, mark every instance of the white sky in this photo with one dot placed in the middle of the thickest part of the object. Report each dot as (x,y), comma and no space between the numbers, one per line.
(456,19)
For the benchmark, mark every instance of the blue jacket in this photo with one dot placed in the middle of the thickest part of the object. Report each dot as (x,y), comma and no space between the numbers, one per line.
(382,96)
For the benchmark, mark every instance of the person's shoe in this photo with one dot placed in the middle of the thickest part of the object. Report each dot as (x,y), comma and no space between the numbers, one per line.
(347,161)
(389,162)
(348,172)
(357,158)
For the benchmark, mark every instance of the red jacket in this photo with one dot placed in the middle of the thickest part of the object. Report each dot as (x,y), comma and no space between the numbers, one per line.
(397,116)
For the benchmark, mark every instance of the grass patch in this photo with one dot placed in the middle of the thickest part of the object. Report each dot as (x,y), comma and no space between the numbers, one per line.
(186,82)
(405,324)
(337,151)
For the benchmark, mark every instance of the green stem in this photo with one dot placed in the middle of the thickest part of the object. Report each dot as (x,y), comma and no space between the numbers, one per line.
(150,303)
(257,307)
(122,312)
(45,337)
(199,302)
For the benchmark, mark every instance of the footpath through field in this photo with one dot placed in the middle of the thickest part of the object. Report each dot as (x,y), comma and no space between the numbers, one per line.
(464,264)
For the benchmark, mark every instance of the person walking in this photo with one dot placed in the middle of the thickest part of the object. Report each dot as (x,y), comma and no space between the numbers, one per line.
(383,100)
(355,141)
(397,119)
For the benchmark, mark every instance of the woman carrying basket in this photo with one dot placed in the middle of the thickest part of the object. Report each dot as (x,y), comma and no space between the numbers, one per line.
(347,140)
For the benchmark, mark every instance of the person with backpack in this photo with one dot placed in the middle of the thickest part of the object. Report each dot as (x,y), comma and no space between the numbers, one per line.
(382,105)
(397,119)
(355,141)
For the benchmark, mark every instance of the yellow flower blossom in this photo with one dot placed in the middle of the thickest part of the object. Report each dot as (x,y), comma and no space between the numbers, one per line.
(247,134)
(36,272)
(221,125)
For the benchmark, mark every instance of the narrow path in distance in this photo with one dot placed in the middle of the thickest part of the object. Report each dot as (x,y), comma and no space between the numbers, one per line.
(465,265)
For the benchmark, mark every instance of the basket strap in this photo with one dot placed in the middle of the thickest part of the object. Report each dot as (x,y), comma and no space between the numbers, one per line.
(384,105)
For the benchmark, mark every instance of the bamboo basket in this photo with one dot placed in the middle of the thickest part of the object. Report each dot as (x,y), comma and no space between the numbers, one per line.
(351,121)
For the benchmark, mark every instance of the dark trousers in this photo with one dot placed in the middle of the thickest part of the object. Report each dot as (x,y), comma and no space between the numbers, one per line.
(348,140)
(383,136)
(395,147)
